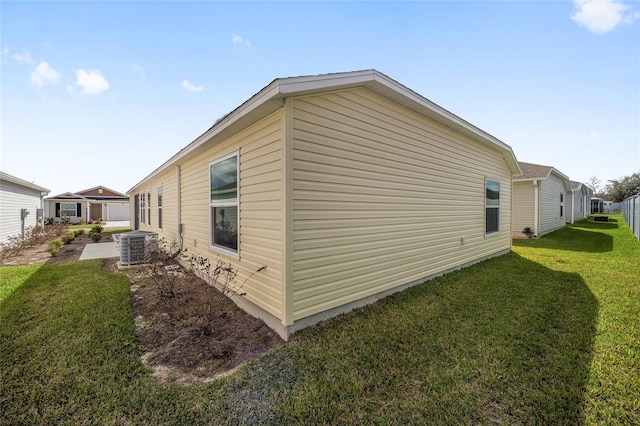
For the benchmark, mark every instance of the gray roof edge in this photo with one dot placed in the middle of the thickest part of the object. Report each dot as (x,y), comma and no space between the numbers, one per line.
(16,180)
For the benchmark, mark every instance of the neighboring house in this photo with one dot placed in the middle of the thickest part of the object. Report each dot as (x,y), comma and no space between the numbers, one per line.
(88,205)
(597,205)
(20,205)
(328,192)
(539,199)
(578,202)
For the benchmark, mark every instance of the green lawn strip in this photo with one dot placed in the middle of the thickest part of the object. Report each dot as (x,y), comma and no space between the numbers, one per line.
(69,354)
(504,341)
(546,335)
(12,278)
(612,394)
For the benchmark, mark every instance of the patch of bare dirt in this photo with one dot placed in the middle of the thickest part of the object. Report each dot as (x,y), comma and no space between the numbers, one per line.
(194,336)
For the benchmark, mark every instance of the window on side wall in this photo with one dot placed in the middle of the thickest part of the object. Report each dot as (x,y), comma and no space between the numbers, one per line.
(149,207)
(492,206)
(142,209)
(561,205)
(223,203)
(160,207)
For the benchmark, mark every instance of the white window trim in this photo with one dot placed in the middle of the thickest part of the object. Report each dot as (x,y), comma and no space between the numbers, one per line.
(499,206)
(75,210)
(212,246)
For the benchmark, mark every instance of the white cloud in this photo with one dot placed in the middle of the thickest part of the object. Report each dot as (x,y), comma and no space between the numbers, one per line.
(5,51)
(43,74)
(236,39)
(92,82)
(601,16)
(25,57)
(190,87)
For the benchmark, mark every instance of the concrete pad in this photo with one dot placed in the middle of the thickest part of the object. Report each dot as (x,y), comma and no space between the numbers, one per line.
(116,224)
(100,251)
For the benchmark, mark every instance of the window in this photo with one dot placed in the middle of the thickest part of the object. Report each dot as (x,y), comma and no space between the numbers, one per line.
(160,207)
(561,205)
(492,206)
(149,207)
(142,209)
(223,203)
(68,209)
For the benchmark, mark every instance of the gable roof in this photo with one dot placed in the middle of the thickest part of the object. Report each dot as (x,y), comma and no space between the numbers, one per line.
(90,195)
(95,192)
(271,98)
(531,172)
(6,177)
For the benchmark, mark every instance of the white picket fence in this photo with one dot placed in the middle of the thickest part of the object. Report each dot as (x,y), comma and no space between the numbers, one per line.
(631,211)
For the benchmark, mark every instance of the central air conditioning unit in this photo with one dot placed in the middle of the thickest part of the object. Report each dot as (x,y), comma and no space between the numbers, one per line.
(135,247)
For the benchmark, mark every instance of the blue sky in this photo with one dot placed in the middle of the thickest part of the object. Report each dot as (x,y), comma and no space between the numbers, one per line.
(102,93)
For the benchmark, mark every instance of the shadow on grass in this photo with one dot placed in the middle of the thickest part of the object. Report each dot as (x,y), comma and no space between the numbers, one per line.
(574,238)
(591,224)
(507,341)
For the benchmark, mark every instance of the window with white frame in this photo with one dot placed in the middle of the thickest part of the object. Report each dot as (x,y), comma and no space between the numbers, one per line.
(68,209)
(492,206)
(149,207)
(160,207)
(223,203)
(561,204)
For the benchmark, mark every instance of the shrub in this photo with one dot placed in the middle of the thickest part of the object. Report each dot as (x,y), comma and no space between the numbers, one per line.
(95,236)
(97,229)
(33,235)
(528,232)
(80,231)
(54,246)
(68,237)
(49,221)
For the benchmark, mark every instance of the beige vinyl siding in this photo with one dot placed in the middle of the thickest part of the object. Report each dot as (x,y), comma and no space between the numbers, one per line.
(382,197)
(550,190)
(523,206)
(169,231)
(259,149)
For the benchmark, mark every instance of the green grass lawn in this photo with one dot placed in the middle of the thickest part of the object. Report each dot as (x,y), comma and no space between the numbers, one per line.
(548,334)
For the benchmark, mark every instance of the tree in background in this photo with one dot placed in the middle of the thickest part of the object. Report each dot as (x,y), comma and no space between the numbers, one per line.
(625,187)
(594,184)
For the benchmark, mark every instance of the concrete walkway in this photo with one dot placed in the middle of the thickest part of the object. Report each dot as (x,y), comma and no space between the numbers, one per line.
(100,251)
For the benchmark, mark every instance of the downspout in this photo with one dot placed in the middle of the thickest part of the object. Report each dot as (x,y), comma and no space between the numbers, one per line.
(178,206)
(535,208)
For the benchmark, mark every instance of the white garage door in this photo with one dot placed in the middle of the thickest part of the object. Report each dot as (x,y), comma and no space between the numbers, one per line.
(118,212)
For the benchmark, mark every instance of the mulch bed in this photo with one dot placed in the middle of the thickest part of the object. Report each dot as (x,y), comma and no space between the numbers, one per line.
(192,336)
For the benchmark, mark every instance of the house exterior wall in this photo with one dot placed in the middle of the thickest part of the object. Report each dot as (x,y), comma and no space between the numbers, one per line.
(550,190)
(13,198)
(50,209)
(259,149)
(382,197)
(523,206)
(575,203)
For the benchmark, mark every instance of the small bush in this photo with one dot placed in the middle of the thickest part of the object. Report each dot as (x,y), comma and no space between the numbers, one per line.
(68,237)
(54,246)
(95,236)
(528,232)
(97,229)
(49,221)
